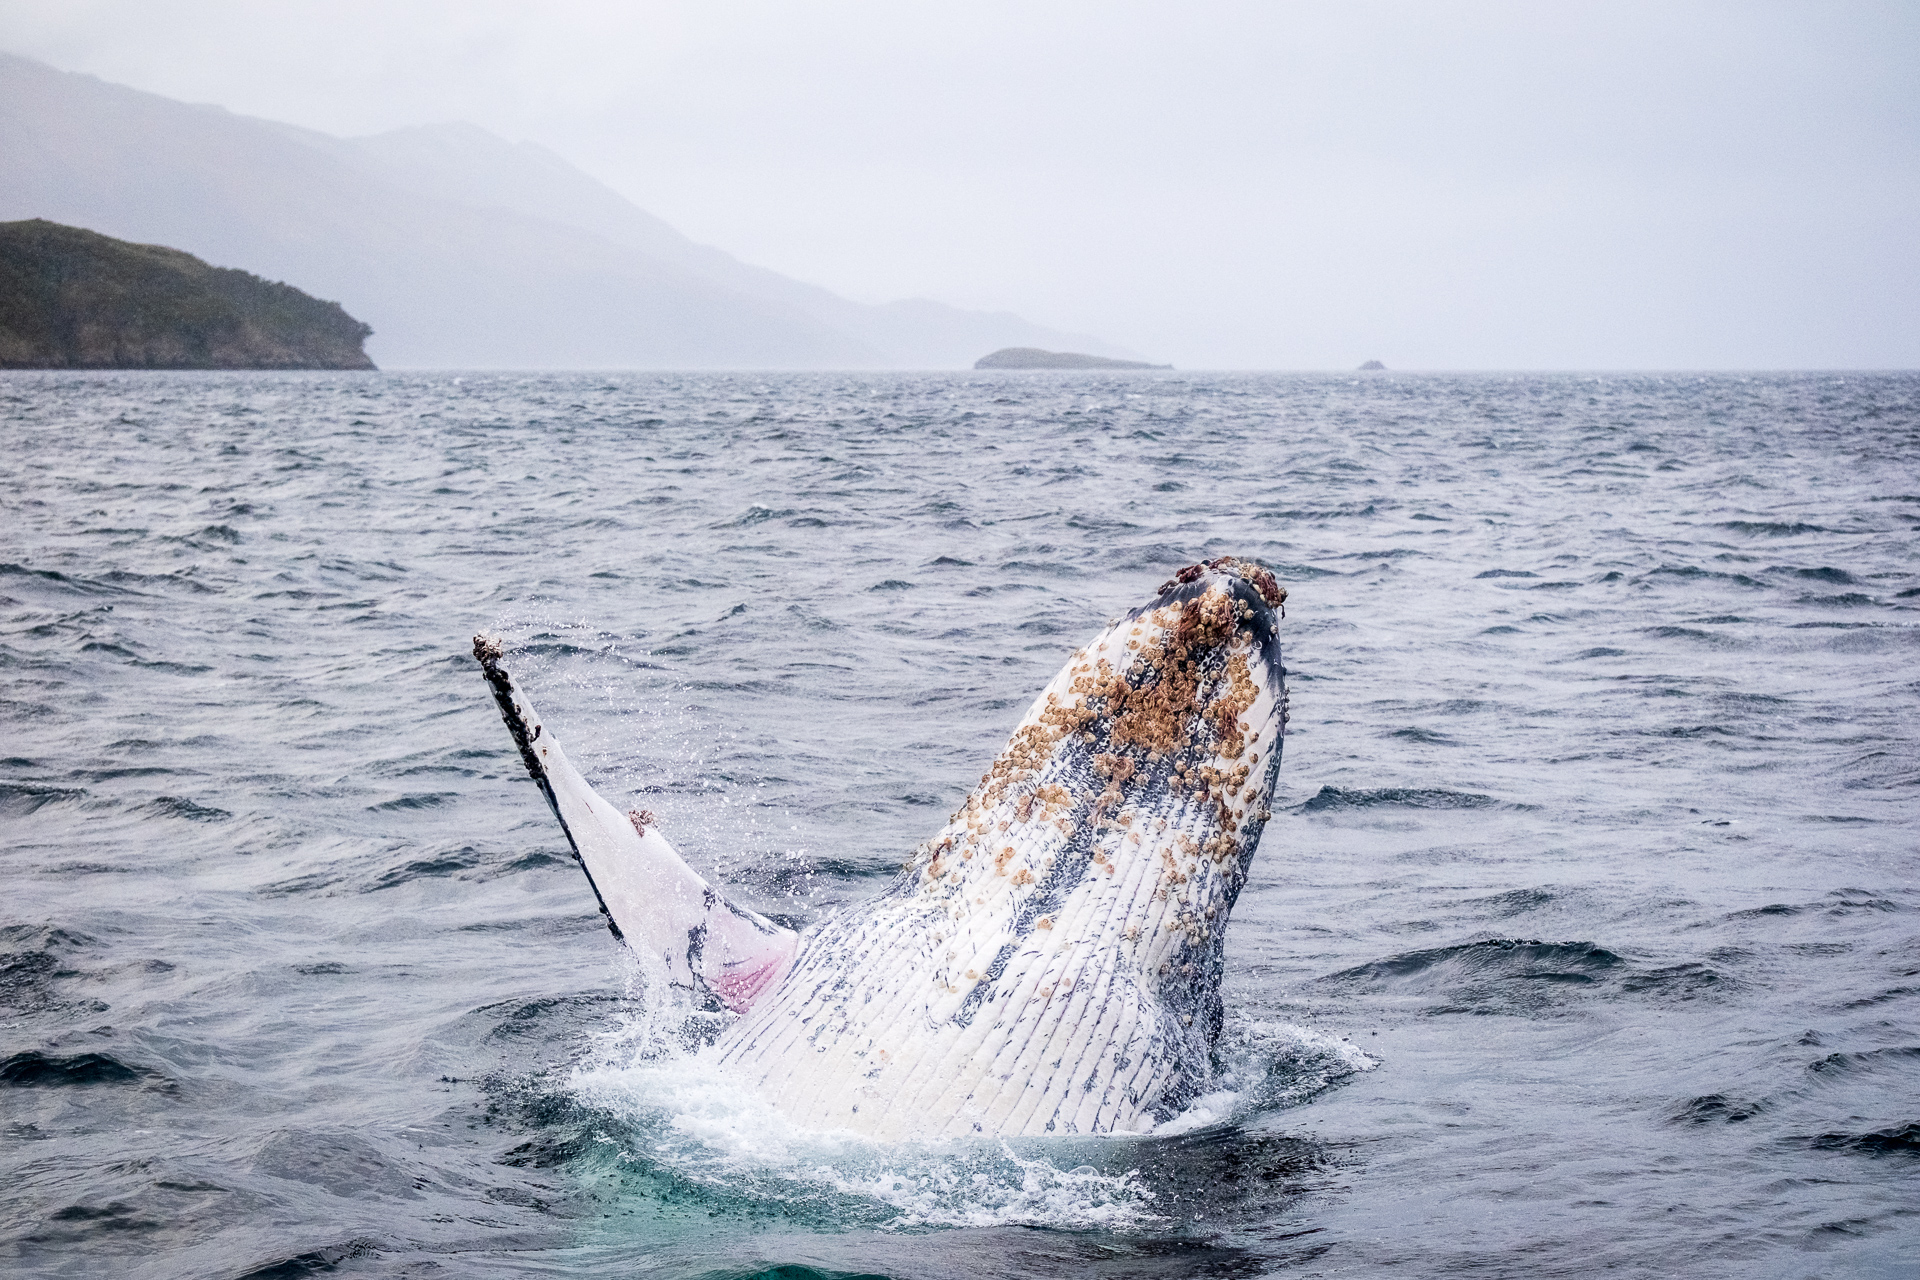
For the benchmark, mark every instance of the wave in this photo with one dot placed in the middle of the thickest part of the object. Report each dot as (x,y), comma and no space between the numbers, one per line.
(1524,978)
(1268,1067)
(1771,528)
(18,799)
(35,1070)
(1825,573)
(82,1222)
(1903,1141)
(652,1107)
(181,807)
(1579,962)
(415,800)
(1678,982)
(31,957)
(9,569)
(1867,1062)
(1343,512)
(1513,902)
(1335,799)
(1693,573)
(1839,902)
(1690,633)
(757,514)
(447,864)
(204,539)
(1716,1108)
(313,1261)
(1529,977)
(115,582)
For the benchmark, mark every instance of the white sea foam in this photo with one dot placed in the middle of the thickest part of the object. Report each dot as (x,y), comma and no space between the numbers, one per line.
(669,1106)
(680,1112)
(672,1108)
(1267,1066)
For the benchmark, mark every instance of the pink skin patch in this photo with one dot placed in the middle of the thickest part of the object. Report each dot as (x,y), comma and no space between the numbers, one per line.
(739,989)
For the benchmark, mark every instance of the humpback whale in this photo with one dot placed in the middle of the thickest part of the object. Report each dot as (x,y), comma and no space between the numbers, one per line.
(1049,961)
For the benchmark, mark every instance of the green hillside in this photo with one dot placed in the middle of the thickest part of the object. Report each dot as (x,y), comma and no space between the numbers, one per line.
(74,299)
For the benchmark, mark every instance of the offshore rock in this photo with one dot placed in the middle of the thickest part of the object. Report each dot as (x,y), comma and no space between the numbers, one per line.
(1035,358)
(75,299)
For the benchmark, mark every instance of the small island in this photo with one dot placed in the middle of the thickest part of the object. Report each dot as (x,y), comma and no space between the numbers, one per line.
(1035,358)
(1371,365)
(75,299)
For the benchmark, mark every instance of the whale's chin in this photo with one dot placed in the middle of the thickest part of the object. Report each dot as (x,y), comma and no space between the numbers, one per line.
(1049,961)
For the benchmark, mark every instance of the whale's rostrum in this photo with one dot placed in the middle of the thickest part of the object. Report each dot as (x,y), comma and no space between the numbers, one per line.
(1050,960)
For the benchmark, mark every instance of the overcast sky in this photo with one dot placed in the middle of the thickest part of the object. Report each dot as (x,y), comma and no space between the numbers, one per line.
(1265,185)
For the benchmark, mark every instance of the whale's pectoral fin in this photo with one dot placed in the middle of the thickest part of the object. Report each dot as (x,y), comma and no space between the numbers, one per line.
(652,898)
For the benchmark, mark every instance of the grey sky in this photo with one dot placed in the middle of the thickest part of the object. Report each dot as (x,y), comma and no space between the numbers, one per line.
(1214,184)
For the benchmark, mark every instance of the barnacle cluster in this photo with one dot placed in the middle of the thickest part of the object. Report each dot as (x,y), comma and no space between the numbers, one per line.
(1148,723)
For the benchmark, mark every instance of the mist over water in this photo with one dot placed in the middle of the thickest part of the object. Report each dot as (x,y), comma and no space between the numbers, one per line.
(1585,938)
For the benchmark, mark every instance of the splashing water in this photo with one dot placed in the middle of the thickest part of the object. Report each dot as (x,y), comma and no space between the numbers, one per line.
(662,1106)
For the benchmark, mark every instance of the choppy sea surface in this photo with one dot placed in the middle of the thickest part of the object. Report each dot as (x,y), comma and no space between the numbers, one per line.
(1585,939)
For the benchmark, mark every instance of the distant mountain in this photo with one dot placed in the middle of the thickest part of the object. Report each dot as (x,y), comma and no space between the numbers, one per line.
(73,299)
(1035,358)
(462,250)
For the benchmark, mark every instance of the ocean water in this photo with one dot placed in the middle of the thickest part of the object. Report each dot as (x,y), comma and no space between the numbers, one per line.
(1585,939)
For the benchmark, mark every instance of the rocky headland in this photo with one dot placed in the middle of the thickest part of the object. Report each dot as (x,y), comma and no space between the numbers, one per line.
(75,299)
(1035,358)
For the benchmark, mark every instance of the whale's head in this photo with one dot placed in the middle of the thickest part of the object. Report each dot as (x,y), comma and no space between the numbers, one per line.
(1182,697)
(1110,838)
(1205,653)
(1050,960)
(1172,718)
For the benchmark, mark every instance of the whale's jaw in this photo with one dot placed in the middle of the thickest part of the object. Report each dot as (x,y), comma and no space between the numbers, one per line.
(1049,962)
